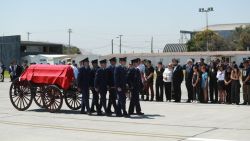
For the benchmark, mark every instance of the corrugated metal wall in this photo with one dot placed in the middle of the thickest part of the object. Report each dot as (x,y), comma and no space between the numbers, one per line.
(10,49)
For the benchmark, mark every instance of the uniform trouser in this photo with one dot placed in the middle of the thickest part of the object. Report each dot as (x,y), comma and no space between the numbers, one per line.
(213,91)
(177,91)
(159,90)
(95,100)
(134,102)
(196,92)
(103,102)
(112,100)
(143,91)
(248,94)
(149,86)
(235,91)
(121,105)
(245,96)
(228,91)
(168,90)
(85,100)
(189,90)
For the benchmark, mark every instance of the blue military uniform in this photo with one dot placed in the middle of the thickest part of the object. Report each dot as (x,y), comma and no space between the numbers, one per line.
(120,79)
(135,84)
(112,91)
(95,94)
(101,83)
(83,81)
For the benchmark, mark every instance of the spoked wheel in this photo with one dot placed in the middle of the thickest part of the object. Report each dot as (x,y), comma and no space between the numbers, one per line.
(38,96)
(73,99)
(20,94)
(1,77)
(52,98)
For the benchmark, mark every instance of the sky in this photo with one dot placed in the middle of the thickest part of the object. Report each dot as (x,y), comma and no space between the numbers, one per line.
(95,23)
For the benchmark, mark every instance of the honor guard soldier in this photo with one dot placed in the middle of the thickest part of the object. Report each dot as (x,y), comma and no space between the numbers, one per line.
(135,85)
(120,77)
(112,91)
(101,84)
(83,81)
(95,98)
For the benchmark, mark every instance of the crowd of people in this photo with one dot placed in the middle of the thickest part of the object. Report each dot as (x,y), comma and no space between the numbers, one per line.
(216,82)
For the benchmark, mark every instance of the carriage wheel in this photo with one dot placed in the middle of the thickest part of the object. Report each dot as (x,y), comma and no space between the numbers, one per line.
(73,99)
(1,77)
(52,98)
(38,96)
(20,94)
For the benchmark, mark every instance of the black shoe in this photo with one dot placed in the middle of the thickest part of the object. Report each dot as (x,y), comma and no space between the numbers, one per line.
(147,99)
(118,115)
(244,103)
(99,113)
(140,113)
(151,100)
(126,115)
(188,101)
(83,112)
(108,114)
(93,111)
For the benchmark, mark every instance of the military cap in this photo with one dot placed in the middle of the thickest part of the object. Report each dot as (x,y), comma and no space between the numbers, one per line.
(94,61)
(134,61)
(85,60)
(103,61)
(123,59)
(113,59)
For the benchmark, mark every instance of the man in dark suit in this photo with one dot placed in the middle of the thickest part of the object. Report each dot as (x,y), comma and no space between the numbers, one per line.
(150,81)
(83,81)
(177,80)
(213,86)
(188,79)
(159,82)
(112,92)
(101,84)
(135,84)
(120,79)
(95,98)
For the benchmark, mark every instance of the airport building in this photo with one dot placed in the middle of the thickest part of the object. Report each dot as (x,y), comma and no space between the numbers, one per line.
(12,48)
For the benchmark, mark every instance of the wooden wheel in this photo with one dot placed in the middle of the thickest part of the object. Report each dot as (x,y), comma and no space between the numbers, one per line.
(38,96)
(20,94)
(52,98)
(73,99)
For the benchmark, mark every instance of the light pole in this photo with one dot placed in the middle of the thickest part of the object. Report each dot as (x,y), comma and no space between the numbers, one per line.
(112,46)
(120,36)
(28,34)
(69,31)
(209,9)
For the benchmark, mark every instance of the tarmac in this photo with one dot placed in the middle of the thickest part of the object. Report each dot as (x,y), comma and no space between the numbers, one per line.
(163,121)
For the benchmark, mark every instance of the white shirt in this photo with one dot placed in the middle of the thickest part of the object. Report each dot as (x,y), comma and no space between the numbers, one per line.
(141,67)
(167,74)
(220,75)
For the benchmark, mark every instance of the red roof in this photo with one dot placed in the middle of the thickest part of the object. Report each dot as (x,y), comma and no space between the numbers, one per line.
(60,75)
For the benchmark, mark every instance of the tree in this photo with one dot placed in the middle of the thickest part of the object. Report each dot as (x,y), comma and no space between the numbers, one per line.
(73,50)
(199,42)
(240,39)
